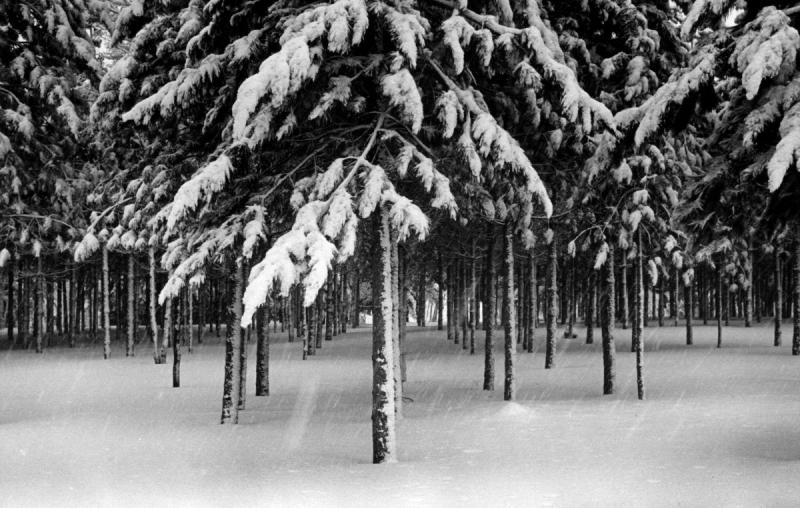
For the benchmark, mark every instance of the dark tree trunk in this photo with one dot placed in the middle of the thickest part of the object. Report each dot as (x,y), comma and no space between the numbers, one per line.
(357,300)
(688,307)
(623,293)
(383,398)
(778,296)
(718,301)
(440,296)
(262,351)
(233,350)
(38,306)
(12,270)
(421,294)
(488,311)
(591,305)
(638,339)
(532,300)
(796,301)
(176,343)
(569,333)
(551,312)
(509,310)
(131,317)
(473,299)
(450,304)
(330,303)
(607,305)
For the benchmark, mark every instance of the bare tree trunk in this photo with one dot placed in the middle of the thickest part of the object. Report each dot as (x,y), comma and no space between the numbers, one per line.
(129,351)
(488,316)
(450,302)
(638,339)
(38,306)
(12,271)
(551,312)
(472,299)
(591,295)
(440,302)
(330,301)
(357,300)
(778,295)
(748,296)
(398,380)
(607,303)
(233,350)
(796,301)
(719,304)
(402,265)
(384,447)
(173,307)
(190,311)
(532,305)
(290,317)
(420,296)
(509,310)
(151,255)
(688,309)
(569,333)
(106,307)
(262,350)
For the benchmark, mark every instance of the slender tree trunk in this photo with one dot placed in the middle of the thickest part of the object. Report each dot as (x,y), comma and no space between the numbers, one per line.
(719,305)
(131,317)
(464,307)
(290,317)
(552,302)
(796,301)
(591,306)
(638,339)
(473,298)
(440,302)
(384,447)
(38,307)
(607,302)
(421,294)
(106,307)
(321,316)
(330,301)
(190,317)
(488,316)
(778,296)
(395,272)
(151,255)
(233,347)
(173,307)
(509,310)
(73,305)
(12,271)
(623,293)
(357,300)
(450,304)
(532,301)
(262,351)
(688,307)
(571,301)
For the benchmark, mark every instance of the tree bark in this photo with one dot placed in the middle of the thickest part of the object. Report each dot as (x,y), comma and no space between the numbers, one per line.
(509,310)
(688,308)
(532,301)
(778,296)
(129,346)
(796,301)
(421,294)
(384,448)
(450,304)
(233,349)
(440,302)
(395,294)
(488,311)
(330,302)
(551,314)
(106,307)
(12,271)
(151,256)
(173,307)
(718,301)
(748,295)
(262,351)
(637,338)
(591,306)
(607,302)
(473,298)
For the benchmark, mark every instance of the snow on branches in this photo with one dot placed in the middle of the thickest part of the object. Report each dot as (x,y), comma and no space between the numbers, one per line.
(403,93)
(209,180)
(788,149)
(767,50)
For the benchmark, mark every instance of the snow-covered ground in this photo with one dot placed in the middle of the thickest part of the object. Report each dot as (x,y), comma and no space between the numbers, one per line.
(718,428)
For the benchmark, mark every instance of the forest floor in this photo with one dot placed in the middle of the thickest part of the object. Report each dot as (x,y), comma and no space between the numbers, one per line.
(720,427)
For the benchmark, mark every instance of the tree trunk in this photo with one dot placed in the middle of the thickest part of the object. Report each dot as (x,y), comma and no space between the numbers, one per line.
(464,307)
(488,311)
(384,447)
(106,307)
(591,305)
(421,294)
(778,295)
(151,255)
(688,307)
(796,301)
(473,298)
(638,339)
(509,310)
(395,273)
(571,300)
(552,302)
(173,307)
(625,314)
(440,302)
(12,271)
(190,317)
(607,323)
(719,304)
(262,350)
(131,317)
(450,305)
(532,301)
(233,350)
(330,302)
